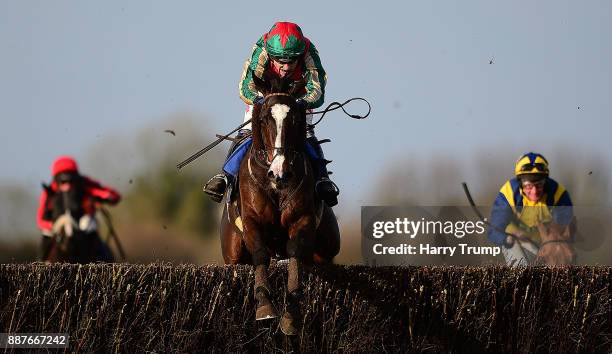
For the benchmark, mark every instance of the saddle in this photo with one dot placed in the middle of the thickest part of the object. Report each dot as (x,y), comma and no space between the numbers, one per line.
(242,136)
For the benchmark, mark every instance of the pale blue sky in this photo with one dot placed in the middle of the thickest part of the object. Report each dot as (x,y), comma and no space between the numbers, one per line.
(74,71)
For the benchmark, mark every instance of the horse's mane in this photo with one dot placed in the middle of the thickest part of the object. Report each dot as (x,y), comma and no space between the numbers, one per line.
(271,83)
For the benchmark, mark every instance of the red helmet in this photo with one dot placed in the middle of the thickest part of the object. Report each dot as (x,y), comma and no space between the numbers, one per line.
(285,41)
(64,164)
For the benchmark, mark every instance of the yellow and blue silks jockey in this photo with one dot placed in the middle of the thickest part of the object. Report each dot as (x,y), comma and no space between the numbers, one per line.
(283,52)
(530,198)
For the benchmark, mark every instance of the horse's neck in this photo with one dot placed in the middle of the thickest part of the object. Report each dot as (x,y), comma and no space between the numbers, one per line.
(560,232)
(257,137)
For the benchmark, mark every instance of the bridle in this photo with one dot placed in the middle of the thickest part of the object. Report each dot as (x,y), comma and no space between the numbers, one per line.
(261,155)
(261,160)
(555,241)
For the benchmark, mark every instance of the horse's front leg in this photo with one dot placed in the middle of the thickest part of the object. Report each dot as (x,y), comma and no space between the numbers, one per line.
(253,233)
(300,247)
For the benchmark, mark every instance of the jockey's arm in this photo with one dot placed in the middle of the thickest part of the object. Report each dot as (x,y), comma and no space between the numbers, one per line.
(101,193)
(43,219)
(563,211)
(501,217)
(514,229)
(316,79)
(255,65)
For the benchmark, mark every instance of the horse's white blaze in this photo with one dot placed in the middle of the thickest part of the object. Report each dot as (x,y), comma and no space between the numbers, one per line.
(279,113)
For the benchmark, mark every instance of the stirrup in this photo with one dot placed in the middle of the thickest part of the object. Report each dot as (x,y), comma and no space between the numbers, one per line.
(336,190)
(330,197)
(214,193)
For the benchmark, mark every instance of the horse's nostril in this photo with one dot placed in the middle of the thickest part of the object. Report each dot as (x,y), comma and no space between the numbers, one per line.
(270,174)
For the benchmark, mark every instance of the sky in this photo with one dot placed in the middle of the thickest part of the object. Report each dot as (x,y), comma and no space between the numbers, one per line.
(447,80)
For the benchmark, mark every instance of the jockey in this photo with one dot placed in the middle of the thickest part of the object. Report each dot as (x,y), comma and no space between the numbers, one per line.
(524,201)
(75,194)
(286,53)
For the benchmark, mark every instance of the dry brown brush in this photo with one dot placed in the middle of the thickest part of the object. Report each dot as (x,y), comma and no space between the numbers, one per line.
(164,308)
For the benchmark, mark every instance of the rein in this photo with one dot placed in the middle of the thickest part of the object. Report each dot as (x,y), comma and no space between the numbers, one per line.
(337,105)
(271,94)
(555,241)
(330,107)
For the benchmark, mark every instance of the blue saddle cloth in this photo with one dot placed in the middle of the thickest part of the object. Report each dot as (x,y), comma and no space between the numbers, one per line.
(232,164)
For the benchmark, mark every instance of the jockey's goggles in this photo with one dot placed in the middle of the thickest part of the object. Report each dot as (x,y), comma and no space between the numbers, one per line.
(284,60)
(65,178)
(540,167)
(530,185)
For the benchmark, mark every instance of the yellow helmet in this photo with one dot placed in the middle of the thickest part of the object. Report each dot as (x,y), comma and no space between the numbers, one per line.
(531,163)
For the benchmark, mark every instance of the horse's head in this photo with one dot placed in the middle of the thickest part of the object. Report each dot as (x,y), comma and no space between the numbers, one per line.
(279,129)
(556,248)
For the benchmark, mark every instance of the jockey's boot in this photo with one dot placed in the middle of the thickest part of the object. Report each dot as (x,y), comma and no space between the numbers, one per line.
(326,189)
(216,186)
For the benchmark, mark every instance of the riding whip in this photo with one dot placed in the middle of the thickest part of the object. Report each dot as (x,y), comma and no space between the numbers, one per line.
(209,146)
(516,237)
(111,231)
(330,107)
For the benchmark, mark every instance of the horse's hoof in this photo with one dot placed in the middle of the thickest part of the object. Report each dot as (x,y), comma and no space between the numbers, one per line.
(265,312)
(288,325)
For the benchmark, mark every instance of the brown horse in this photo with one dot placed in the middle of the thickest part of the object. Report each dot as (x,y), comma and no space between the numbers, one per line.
(276,212)
(72,245)
(556,248)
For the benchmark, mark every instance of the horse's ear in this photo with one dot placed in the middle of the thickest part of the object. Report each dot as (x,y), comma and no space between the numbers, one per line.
(47,188)
(297,88)
(261,85)
(544,232)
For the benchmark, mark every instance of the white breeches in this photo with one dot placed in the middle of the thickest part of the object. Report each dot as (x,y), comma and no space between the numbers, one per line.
(520,256)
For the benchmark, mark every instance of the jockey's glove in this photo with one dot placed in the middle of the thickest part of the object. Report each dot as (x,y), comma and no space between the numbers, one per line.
(509,241)
(259,100)
(302,103)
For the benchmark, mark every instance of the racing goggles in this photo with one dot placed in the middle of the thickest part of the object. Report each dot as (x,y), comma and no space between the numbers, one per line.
(540,167)
(65,177)
(285,60)
(530,185)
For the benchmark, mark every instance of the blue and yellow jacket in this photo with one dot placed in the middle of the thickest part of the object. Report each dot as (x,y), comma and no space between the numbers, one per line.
(512,211)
